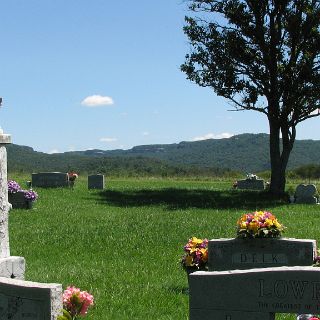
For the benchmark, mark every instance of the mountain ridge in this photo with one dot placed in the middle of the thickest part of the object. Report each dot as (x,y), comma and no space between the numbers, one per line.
(245,153)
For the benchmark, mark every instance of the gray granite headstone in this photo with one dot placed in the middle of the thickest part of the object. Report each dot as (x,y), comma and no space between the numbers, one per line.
(268,290)
(50,179)
(18,200)
(306,194)
(229,254)
(96,181)
(25,300)
(250,184)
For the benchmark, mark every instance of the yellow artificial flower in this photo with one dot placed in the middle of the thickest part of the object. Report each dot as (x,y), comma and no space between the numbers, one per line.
(189,261)
(268,222)
(254,226)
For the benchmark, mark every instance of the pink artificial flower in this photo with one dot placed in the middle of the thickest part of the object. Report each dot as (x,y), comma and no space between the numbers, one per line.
(77,302)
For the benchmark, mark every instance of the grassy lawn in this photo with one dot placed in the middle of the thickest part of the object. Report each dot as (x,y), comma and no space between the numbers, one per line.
(123,244)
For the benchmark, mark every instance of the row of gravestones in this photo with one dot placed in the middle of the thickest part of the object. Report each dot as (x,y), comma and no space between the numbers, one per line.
(60,179)
(303,194)
(20,299)
(51,180)
(253,279)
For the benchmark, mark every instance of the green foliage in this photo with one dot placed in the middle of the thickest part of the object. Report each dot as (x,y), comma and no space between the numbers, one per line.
(262,56)
(65,315)
(231,157)
(311,171)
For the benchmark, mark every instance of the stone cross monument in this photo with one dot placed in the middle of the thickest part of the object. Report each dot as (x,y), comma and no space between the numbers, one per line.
(20,299)
(10,266)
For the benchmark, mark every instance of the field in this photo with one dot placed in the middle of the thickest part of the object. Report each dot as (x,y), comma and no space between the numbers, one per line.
(123,244)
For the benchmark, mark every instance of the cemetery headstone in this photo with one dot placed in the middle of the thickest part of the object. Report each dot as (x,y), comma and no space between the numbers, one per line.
(18,200)
(252,182)
(281,266)
(268,290)
(19,299)
(96,181)
(306,194)
(235,253)
(10,266)
(25,300)
(50,179)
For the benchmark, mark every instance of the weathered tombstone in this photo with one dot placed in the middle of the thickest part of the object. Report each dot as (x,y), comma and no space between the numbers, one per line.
(252,182)
(96,181)
(306,194)
(18,200)
(9,265)
(235,253)
(27,300)
(19,299)
(50,179)
(266,291)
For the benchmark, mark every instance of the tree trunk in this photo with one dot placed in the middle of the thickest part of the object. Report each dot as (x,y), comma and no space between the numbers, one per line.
(279,156)
(280,150)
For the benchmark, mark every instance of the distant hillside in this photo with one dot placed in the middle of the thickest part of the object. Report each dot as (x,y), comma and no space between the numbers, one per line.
(244,153)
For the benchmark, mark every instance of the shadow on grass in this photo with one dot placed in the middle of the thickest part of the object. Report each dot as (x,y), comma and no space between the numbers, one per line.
(189,198)
(178,290)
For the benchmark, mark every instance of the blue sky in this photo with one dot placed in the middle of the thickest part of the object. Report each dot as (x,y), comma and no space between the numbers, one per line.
(80,74)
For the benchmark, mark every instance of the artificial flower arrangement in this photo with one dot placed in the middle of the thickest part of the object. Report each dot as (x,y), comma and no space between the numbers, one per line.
(196,254)
(75,303)
(72,176)
(13,186)
(29,195)
(259,224)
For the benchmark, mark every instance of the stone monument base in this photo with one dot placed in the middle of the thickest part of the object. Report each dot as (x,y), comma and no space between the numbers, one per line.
(12,267)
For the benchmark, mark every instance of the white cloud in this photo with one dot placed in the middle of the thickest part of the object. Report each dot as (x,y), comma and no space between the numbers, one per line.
(213,136)
(97,101)
(108,139)
(145,133)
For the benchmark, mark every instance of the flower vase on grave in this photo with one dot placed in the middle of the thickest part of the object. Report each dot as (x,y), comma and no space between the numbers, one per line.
(18,200)
(195,257)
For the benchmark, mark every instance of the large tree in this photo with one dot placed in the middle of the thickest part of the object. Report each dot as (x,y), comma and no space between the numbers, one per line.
(263,55)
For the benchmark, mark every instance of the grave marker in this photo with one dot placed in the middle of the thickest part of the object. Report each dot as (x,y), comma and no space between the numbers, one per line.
(26,300)
(306,194)
(268,290)
(20,300)
(250,184)
(96,181)
(18,200)
(50,179)
(235,253)
(10,266)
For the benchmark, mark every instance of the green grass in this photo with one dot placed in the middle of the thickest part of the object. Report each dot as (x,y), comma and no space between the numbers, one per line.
(123,244)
